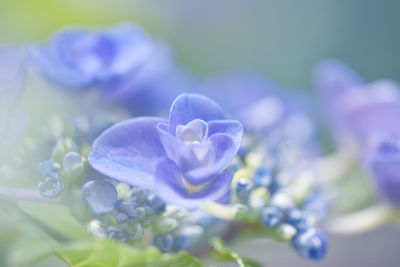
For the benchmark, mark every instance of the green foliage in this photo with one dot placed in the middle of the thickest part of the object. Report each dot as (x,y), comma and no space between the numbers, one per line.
(225,253)
(109,253)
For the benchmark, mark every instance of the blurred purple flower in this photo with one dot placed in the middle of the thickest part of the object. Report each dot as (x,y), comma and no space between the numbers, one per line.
(355,109)
(382,159)
(248,97)
(182,159)
(368,114)
(154,86)
(80,58)
(12,123)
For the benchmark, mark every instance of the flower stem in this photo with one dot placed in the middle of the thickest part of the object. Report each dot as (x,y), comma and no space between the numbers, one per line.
(17,194)
(360,221)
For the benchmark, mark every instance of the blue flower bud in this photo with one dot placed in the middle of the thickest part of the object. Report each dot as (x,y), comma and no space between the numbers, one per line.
(121,217)
(100,195)
(163,242)
(48,166)
(311,244)
(119,234)
(139,195)
(243,189)
(298,220)
(282,201)
(187,237)
(156,203)
(271,216)
(73,164)
(262,177)
(129,208)
(52,186)
(317,205)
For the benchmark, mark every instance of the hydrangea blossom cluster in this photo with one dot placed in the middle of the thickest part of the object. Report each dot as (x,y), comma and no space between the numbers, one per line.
(177,181)
(368,114)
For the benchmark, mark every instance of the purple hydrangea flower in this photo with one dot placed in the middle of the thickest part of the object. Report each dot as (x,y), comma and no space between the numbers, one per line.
(246,95)
(154,86)
(12,123)
(368,114)
(353,108)
(382,158)
(79,58)
(183,159)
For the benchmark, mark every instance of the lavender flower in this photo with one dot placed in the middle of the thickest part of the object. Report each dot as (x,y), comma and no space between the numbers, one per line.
(355,109)
(382,159)
(79,58)
(246,95)
(12,123)
(182,159)
(154,86)
(367,113)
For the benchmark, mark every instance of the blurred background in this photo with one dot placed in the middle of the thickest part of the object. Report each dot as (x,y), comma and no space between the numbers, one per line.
(281,39)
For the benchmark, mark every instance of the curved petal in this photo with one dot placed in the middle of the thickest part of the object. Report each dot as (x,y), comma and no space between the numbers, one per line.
(384,164)
(134,47)
(333,77)
(374,119)
(51,67)
(171,189)
(176,150)
(129,151)
(232,128)
(188,107)
(224,149)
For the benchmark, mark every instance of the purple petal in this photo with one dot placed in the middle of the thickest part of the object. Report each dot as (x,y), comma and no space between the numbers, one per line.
(384,164)
(171,189)
(176,150)
(194,131)
(129,151)
(224,149)
(232,128)
(369,120)
(332,78)
(134,47)
(188,107)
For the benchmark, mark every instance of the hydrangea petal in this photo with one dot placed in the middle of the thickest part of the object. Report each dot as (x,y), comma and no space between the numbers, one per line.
(332,78)
(135,47)
(224,148)
(170,187)
(100,195)
(188,107)
(383,161)
(129,151)
(374,119)
(232,128)
(176,150)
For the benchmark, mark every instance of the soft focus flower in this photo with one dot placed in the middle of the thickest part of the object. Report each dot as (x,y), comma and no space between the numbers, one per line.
(248,97)
(383,161)
(12,123)
(355,109)
(368,114)
(182,159)
(79,58)
(154,86)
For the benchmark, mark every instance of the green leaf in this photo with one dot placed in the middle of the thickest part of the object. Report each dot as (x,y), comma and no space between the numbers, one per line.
(224,252)
(110,253)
